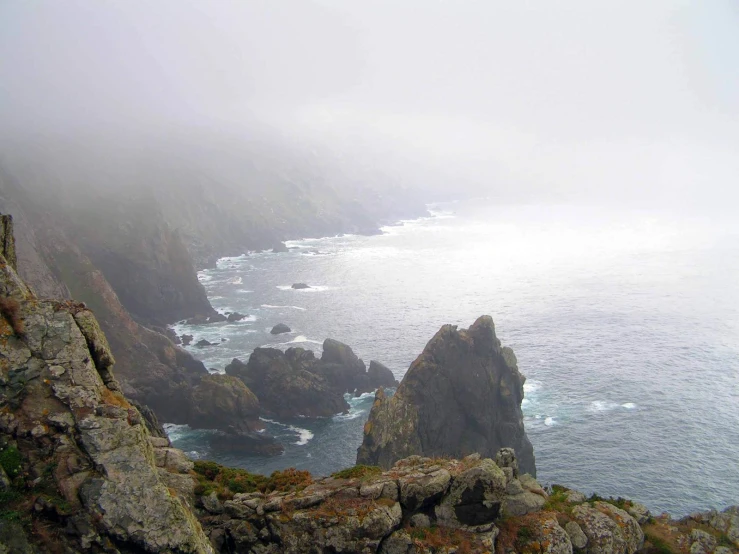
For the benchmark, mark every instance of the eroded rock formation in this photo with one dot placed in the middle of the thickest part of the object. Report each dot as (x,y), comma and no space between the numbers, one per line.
(296,383)
(461,395)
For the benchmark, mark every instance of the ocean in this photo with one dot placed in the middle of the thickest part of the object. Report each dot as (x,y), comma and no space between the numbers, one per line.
(625,322)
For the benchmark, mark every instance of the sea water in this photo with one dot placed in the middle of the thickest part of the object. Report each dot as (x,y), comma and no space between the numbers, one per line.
(625,322)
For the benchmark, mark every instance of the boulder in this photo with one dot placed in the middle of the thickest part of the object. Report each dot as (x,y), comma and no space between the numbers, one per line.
(577,537)
(202,343)
(186,339)
(475,496)
(461,395)
(299,286)
(280,247)
(235,316)
(609,529)
(545,536)
(280,328)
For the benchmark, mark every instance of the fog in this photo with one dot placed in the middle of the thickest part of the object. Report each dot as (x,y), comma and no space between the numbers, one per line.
(618,101)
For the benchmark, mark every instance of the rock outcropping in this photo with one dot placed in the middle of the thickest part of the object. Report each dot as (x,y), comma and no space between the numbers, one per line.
(296,383)
(75,453)
(461,395)
(150,368)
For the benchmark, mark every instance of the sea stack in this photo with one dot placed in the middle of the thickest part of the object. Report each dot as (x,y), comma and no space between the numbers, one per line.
(461,395)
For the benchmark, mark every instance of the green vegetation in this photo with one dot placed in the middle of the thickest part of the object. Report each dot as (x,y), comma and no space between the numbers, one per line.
(227,481)
(659,545)
(438,538)
(557,500)
(357,472)
(524,534)
(619,502)
(10,461)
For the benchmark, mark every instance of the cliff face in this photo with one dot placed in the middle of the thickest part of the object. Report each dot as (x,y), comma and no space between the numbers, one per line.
(143,259)
(151,369)
(461,395)
(75,454)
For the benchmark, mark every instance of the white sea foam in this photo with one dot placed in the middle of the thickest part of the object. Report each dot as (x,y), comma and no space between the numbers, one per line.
(348,417)
(204,278)
(247,319)
(303,338)
(236,281)
(549,422)
(175,431)
(531,386)
(629,406)
(601,406)
(304,435)
(244,291)
(283,307)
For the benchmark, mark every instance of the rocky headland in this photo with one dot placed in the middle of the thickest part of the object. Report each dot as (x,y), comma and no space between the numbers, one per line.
(82,469)
(460,396)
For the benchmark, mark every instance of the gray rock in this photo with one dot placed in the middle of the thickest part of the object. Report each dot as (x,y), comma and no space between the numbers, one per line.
(398,543)
(211,503)
(522,504)
(609,530)
(639,512)
(548,537)
(575,497)
(506,457)
(461,376)
(577,537)
(701,542)
(420,520)
(418,490)
(280,328)
(299,286)
(474,497)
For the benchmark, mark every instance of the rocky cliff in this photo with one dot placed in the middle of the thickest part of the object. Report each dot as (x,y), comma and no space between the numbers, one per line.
(77,468)
(151,369)
(461,395)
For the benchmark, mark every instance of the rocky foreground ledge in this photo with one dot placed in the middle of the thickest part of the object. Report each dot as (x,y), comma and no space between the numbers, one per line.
(435,505)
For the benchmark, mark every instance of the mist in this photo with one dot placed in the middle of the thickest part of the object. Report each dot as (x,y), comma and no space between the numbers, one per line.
(628,102)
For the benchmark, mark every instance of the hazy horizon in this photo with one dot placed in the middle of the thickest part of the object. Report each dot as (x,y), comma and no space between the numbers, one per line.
(616,101)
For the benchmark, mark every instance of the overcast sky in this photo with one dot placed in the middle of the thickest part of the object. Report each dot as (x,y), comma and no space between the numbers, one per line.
(639,97)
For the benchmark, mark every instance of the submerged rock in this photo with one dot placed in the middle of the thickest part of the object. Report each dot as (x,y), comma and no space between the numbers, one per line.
(280,328)
(202,343)
(461,395)
(299,286)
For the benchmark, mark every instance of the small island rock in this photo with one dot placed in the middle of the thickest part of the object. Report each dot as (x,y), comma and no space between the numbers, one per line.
(280,328)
